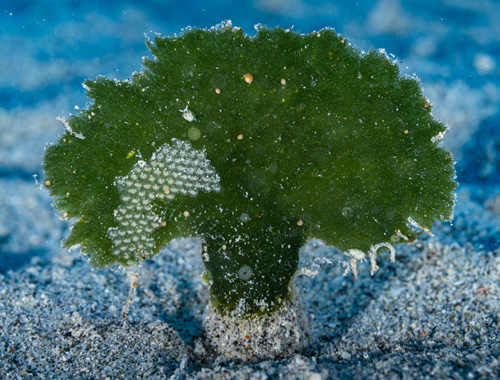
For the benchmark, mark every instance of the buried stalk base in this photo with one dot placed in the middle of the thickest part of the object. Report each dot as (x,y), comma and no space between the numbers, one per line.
(267,337)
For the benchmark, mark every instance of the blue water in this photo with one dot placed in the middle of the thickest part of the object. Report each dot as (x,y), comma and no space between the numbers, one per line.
(47,49)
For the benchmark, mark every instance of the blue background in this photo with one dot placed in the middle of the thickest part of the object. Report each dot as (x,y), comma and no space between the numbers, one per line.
(47,49)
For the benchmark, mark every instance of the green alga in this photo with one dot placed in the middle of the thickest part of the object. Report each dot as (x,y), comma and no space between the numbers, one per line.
(254,145)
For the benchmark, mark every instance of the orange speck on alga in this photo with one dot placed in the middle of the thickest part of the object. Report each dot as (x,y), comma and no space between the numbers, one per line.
(248,78)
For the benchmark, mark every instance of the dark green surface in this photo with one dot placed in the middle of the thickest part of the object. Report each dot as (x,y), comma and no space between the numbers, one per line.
(344,152)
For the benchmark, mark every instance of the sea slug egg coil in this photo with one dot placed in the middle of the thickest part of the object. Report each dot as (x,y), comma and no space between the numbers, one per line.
(175,169)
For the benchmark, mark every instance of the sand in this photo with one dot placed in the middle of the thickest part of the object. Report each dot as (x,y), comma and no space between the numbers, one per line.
(434,313)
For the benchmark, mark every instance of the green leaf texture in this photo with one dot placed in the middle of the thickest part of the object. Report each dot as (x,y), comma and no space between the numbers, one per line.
(318,141)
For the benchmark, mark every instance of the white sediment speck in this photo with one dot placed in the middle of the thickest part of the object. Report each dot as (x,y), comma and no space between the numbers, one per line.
(68,128)
(415,224)
(187,114)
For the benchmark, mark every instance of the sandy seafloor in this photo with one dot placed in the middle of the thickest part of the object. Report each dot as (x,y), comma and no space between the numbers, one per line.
(435,313)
